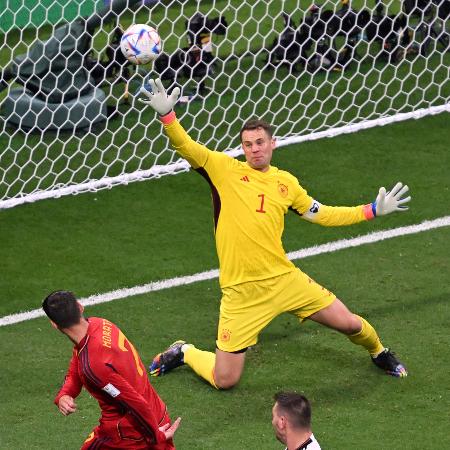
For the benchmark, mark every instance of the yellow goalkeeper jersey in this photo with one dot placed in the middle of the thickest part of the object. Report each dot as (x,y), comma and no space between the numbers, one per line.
(249,209)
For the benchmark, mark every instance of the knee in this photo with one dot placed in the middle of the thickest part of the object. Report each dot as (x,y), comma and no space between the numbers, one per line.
(226,381)
(353,326)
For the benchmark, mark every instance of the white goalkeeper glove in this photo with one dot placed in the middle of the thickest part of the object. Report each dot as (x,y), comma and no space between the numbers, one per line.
(388,202)
(158,98)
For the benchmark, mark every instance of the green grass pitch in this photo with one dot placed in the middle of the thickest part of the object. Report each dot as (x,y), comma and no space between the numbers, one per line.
(94,243)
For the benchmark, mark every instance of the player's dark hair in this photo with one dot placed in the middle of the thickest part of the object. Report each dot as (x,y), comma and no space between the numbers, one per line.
(62,308)
(255,124)
(296,407)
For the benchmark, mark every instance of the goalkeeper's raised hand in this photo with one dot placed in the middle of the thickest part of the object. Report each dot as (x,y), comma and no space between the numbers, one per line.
(158,98)
(388,202)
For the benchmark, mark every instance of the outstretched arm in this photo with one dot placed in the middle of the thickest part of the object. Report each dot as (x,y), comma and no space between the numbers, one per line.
(385,203)
(195,153)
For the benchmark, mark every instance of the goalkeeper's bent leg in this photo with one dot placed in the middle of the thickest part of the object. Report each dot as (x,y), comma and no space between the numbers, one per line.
(201,362)
(368,338)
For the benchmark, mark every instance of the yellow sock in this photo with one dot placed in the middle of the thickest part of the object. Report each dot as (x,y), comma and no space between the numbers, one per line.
(368,338)
(201,362)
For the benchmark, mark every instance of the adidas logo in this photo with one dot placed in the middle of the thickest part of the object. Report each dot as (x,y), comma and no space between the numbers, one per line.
(245,178)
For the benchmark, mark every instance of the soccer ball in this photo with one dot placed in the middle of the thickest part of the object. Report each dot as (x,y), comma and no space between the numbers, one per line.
(140,44)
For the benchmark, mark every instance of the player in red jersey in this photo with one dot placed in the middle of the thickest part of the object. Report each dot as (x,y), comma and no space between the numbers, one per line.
(106,363)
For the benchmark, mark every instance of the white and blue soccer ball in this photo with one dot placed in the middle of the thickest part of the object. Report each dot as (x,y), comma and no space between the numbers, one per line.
(140,44)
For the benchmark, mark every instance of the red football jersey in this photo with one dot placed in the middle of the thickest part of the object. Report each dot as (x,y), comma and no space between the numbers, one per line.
(109,367)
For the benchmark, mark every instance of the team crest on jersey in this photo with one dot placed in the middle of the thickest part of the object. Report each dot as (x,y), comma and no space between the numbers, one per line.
(283,190)
(225,335)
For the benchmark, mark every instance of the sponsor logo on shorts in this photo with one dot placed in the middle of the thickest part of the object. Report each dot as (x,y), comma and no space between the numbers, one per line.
(283,190)
(225,335)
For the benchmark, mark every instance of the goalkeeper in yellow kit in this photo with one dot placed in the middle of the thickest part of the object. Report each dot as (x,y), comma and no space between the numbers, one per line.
(258,281)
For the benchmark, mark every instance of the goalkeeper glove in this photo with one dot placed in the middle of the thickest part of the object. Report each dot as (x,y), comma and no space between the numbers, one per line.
(388,202)
(158,98)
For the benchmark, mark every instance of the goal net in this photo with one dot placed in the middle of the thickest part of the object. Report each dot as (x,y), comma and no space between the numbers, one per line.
(70,120)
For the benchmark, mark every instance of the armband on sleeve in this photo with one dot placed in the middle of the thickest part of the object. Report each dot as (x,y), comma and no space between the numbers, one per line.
(311,213)
(336,216)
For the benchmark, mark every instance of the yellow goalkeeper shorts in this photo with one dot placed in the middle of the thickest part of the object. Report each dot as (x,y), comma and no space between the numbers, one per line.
(247,308)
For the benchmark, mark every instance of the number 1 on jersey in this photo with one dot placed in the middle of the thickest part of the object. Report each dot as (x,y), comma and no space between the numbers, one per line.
(261,208)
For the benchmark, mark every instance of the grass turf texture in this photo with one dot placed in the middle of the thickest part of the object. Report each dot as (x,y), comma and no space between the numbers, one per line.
(132,235)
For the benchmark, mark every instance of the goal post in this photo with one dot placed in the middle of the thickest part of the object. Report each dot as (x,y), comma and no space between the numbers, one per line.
(71,123)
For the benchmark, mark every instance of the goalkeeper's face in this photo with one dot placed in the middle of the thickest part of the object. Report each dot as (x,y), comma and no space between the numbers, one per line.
(258,147)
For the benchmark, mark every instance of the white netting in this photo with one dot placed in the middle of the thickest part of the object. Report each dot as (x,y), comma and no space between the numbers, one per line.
(71,124)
